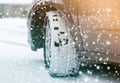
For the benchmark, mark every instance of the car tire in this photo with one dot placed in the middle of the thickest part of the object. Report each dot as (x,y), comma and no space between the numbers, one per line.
(60,55)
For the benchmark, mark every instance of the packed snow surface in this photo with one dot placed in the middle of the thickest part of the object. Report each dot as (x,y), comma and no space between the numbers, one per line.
(18,64)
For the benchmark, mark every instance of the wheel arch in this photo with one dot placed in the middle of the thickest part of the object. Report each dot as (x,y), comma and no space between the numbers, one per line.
(36,19)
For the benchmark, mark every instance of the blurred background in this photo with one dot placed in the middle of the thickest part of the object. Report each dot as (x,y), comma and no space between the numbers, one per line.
(14,8)
(13,21)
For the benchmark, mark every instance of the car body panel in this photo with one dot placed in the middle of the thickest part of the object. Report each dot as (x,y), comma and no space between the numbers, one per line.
(100,25)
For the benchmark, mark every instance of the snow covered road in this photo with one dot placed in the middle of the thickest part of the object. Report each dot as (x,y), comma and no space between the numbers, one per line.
(18,64)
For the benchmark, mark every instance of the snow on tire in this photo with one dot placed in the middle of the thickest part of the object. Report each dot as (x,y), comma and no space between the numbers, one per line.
(60,54)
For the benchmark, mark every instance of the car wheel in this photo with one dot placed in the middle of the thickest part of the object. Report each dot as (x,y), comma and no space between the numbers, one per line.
(60,55)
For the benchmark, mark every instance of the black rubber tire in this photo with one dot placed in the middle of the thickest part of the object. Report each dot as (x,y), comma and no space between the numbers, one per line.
(67,62)
(44,48)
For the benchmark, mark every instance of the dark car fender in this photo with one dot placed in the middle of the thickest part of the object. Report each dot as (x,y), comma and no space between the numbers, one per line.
(36,19)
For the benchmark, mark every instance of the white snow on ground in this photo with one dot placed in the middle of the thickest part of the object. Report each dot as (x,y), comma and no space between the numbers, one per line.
(13,30)
(16,1)
(18,64)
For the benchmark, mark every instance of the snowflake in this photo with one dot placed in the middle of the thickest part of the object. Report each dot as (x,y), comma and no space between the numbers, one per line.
(108,42)
(108,67)
(98,67)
